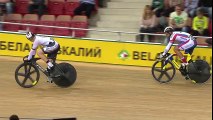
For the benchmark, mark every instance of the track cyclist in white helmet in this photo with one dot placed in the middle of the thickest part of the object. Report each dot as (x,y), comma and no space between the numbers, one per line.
(49,47)
(186,42)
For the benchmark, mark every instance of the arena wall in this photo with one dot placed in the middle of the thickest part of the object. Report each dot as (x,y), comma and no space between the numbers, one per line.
(96,51)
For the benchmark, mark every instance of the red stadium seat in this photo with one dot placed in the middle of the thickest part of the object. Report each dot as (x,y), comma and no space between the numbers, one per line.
(210,28)
(16,18)
(47,20)
(96,5)
(80,22)
(70,6)
(56,7)
(30,19)
(63,21)
(21,6)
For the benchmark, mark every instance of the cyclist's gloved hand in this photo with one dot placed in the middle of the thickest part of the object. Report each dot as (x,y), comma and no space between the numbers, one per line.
(162,55)
(29,58)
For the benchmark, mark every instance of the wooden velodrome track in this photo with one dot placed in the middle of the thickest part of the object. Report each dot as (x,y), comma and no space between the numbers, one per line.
(105,92)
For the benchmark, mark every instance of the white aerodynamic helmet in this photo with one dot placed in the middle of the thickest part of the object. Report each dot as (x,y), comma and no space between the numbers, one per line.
(29,35)
(168,29)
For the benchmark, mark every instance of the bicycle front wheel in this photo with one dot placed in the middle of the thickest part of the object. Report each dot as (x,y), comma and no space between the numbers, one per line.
(162,72)
(27,75)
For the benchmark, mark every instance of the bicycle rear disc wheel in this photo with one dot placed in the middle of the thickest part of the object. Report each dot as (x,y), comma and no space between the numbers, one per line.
(199,71)
(68,77)
(27,75)
(163,73)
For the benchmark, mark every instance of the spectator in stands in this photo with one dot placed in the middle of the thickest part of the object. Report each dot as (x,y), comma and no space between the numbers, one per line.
(210,28)
(190,7)
(148,22)
(179,19)
(14,117)
(209,42)
(157,7)
(86,6)
(101,3)
(39,5)
(200,24)
(1,19)
(206,5)
(170,6)
(8,5)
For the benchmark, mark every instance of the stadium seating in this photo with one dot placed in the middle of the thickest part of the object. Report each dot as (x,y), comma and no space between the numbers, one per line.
(96,5)
(56,7)
(15,18)
(70,6)
(21,6)
(210,28)
(60,13)
(46,20)
(30,19)
(63,21)
(79,22)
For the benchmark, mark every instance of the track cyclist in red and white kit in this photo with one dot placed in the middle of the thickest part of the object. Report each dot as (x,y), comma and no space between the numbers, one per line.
(186,42)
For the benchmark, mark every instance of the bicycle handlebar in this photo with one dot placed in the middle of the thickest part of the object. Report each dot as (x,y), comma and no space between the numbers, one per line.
(25,59)
(165,56)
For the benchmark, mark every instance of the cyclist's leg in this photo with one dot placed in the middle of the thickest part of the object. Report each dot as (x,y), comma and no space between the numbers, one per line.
(182,68)
(191,49)
(51,49)
(41,53)
(189,45)
(177,50)
(53,55)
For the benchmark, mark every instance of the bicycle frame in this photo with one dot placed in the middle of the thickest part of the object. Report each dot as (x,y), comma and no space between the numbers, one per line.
(174,62)
(39,66)
(197,70)
(43,70)
(27,74)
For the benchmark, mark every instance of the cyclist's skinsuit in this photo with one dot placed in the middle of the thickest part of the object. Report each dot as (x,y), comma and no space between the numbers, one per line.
(50,46)
(185,41)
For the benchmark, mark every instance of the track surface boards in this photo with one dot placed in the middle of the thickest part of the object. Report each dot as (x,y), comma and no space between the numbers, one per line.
(105,92)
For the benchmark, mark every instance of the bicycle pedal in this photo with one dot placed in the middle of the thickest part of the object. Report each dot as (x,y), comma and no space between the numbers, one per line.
(187,78)
(193,81)
(49,80)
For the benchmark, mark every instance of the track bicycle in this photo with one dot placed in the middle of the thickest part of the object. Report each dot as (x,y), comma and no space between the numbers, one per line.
(27,74)
(164,69)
